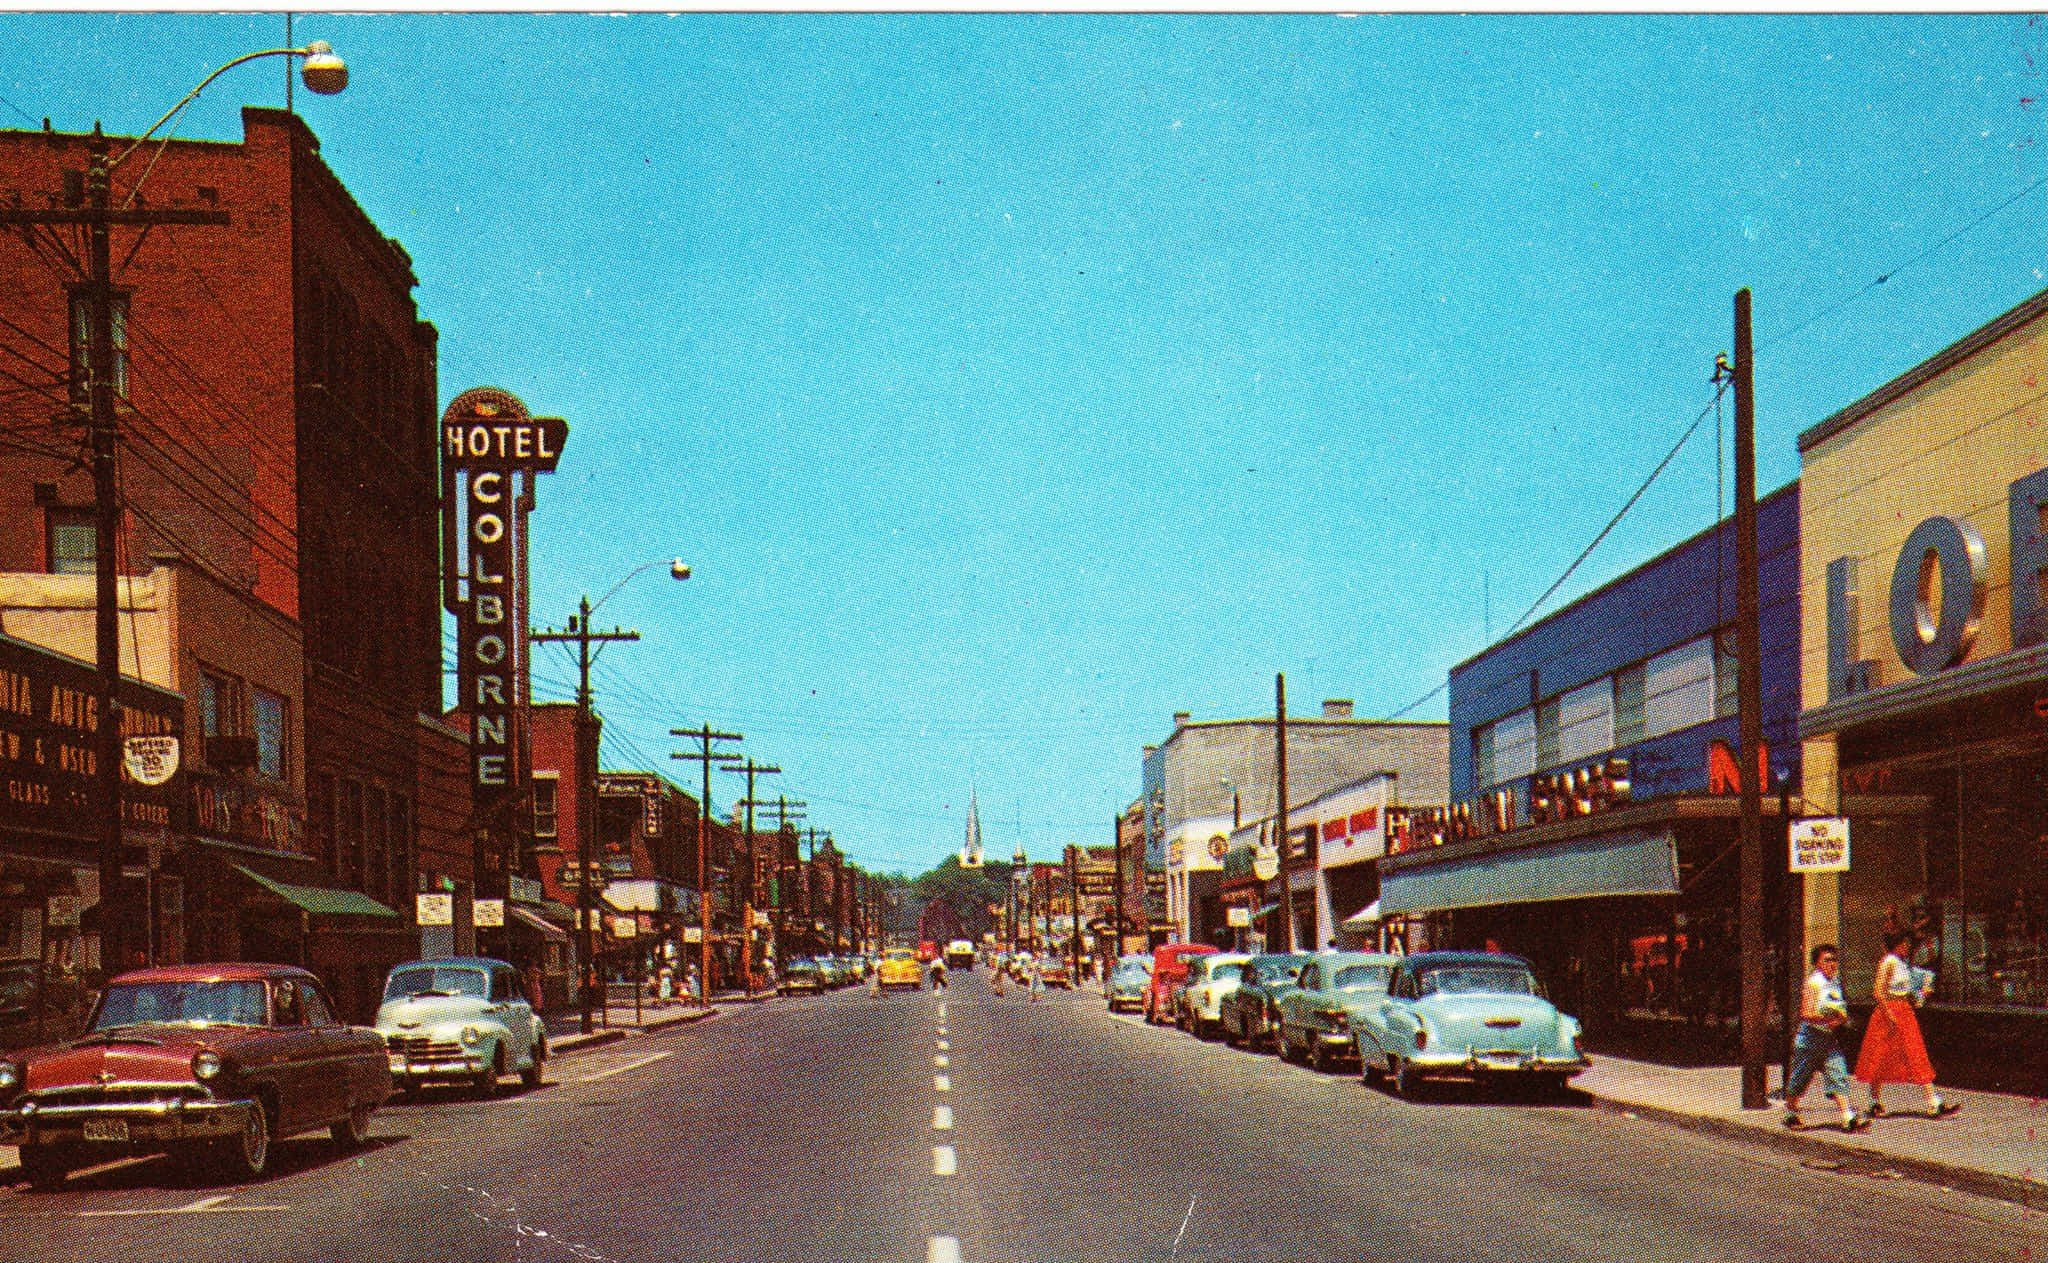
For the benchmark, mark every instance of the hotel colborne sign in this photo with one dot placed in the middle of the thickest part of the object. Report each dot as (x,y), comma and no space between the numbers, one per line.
(488,442)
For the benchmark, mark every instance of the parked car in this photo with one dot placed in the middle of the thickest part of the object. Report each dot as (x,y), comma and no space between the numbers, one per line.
(1250,1013)
(1169,968)
(1128,982)
(802,974)
(206,1062)
(1469,1015)
(1209,979)
(1053,972)
(460,1020)
(960,955)
(900,968)
(1334,988)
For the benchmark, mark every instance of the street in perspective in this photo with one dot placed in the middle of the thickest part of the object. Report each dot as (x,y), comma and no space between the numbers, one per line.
(1062,638)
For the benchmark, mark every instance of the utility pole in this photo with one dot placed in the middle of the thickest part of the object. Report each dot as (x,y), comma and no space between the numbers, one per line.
(1280,819)
(1749,707)
(588,730)
(706,756)
(751,770)
(1117,888)
(786,811)
(1074,913)
(87,205)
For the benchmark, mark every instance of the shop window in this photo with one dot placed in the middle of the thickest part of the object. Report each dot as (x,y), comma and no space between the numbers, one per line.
(1629,714)
(270,713)
(72,543)
(545,823)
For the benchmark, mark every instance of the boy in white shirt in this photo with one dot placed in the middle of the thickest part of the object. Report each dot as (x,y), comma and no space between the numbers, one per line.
(1815,1050)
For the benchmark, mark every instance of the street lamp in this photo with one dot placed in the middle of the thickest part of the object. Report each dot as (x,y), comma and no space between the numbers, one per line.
(586,773)
(324,74)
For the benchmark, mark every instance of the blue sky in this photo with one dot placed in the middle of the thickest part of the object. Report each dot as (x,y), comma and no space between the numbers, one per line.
(1013,382)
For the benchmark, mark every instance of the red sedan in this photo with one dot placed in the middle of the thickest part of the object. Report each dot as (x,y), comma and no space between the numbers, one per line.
(201,1061)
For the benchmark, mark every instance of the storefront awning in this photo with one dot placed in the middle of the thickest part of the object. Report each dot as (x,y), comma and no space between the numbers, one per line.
(1629,862)
(538,925)
(320,900)
(1359,920)
(1266,911)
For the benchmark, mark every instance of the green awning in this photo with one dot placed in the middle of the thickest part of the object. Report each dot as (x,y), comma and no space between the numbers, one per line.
(320,900)
(1630,862)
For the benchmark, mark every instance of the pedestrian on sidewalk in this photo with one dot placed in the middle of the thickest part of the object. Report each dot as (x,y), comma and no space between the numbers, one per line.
(1815,1048)
(1893,1051)
(996,982)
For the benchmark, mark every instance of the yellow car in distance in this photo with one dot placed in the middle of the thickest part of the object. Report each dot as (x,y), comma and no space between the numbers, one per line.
(900,968)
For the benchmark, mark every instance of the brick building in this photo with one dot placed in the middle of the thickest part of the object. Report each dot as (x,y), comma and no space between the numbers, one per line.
(276,405)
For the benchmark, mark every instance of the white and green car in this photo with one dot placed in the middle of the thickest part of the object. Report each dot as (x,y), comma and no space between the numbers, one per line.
(461,1020)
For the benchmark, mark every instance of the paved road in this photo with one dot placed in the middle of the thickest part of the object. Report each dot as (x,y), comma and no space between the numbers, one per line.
(809,1131)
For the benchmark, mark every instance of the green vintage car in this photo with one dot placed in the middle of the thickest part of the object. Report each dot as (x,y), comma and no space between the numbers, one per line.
(1335,989)
(1250,1013)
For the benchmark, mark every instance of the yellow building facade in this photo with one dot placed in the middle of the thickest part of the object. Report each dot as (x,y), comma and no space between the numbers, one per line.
(1924,681)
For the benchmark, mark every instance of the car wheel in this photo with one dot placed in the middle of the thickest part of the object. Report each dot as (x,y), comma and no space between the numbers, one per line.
(1370,1069)
(351,1131)
(1406,1082)
(247,1156)
(1319,1052)
(485,1085)
(1552,1087)
(1284,1043)
(537,1072)
(46,1166)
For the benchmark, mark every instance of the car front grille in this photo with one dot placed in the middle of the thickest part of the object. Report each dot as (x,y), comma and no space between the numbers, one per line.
(119,1094)
(423,1047)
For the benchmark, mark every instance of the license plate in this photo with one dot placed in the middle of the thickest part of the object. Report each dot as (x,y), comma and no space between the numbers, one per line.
(106,1129)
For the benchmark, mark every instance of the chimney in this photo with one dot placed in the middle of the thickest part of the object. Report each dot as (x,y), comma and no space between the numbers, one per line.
(1337,708)
(1181,717)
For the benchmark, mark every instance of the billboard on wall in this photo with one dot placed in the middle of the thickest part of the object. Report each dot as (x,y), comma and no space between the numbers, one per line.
(49,713)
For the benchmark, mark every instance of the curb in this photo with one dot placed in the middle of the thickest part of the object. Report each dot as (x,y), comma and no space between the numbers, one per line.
(568,1044)
(2028,1194)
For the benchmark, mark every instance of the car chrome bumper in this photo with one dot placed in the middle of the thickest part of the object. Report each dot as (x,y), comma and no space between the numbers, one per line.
(411,1071)
(146,1122)
(1479,1064)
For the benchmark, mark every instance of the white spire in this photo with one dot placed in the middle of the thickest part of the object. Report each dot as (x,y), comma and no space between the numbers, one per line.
(970,854)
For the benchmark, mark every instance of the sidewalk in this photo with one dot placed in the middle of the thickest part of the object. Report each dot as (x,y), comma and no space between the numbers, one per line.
(1996,1147)
(565,1034)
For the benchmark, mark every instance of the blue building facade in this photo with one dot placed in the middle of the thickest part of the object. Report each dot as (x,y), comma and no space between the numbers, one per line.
(1593,767)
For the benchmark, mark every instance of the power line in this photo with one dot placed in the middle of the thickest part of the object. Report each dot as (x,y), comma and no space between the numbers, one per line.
(1886,276)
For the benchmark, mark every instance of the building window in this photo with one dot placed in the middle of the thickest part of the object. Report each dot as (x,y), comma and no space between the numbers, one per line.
(376,842)
(1548,748)
(81,340)
(544,810)
(1725,690)
(1629,715)
(1680,688)
(271,730)
(348,831)
(73,541)
(1482,757)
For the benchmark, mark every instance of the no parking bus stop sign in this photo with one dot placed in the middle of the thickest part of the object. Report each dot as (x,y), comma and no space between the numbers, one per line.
(1820,844)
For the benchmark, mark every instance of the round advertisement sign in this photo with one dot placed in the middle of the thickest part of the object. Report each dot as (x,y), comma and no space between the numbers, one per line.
(150,760)
(1266,861)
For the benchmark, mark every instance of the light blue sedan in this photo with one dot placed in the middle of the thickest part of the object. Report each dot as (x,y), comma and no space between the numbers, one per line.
(1467,1015)
(1332,991)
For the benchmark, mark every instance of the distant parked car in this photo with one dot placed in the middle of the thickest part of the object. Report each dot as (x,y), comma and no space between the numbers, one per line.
(1334,988)
(1250,1014)
(802,974)
(1053,972)
(1210,978)
(1128,982)
(1470,1015)
(1169,970)
(960,955)
(464,1019)
(205,1062)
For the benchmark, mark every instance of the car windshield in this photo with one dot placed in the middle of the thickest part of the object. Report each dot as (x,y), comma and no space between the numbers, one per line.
(188,1003)
(437,981)
(900,953)
(1477,980)
(1130,973)
(1361,978)
(1219,973)
(1279,970)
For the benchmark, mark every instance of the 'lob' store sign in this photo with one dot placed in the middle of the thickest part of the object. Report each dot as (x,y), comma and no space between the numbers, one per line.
(488,440)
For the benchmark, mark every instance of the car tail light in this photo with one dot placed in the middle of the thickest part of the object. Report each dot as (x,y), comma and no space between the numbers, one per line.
(1421,1039)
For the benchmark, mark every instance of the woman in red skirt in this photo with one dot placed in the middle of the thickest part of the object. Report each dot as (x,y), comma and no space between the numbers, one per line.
(1893,1051)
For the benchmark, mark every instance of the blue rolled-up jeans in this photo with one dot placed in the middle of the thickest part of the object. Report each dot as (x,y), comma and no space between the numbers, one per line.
(1816,1051)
